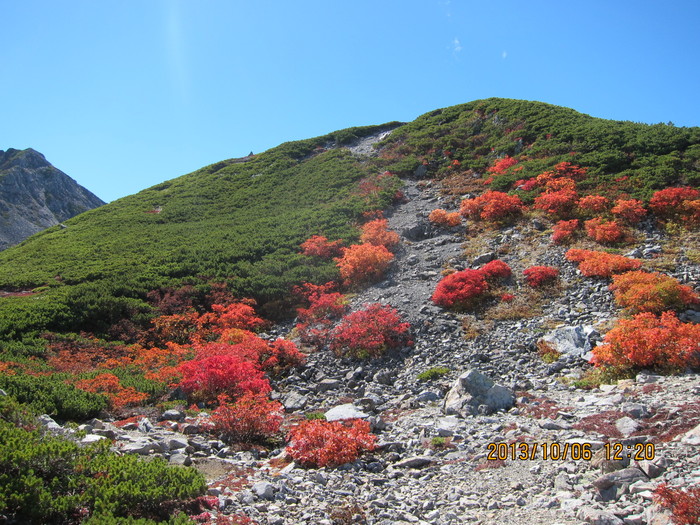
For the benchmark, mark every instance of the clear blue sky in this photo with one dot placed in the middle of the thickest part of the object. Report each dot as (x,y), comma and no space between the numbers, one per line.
(122,95)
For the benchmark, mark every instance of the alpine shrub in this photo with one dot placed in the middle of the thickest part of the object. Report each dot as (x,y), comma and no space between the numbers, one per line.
(460,290)
(110,386)
(604,232)
(641,291)
(250,418)
(363,264)
(495,270)
(369,332)
(650,341)
(670,203)
(206,379)
(563,231)
(376,232)
(537,276)
(601,264)
(324,309)
(319,246)
(629,210)
(593,204)
(319,443)
(684,504)
(492,206)
(440,217)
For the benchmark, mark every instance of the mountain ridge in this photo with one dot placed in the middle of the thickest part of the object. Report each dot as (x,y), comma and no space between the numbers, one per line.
(34,195)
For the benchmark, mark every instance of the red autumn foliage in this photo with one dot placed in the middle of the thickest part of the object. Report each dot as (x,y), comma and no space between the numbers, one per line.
(250,418)
(460,290)
(684,504)
(206,379)
(493,206)
(369,332)
(319,443)
(320,246)
(650,341)
(315,321)
(594,204)
(629,210)
(670,203)
(363,264)
(563,231)
(240,315)
(601,264)
(500,166)
(495,270)
(109,384)
(604,232)
(376,232)
(641,291)
(559,203)
(537,276)
(440,217)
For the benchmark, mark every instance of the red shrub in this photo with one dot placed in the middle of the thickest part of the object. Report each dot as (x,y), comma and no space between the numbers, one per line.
(240,315)
(669,203)
(651,292)
(369,332)
(500,166)
(604,232)
(492,206)
(650,341)
(376,232)
(594,204)
(319,443)
(320,246)
(631,211)
(460,290)
(272,357)
(537,276)
(206,379)
(684,504)
(440,217)
(251,417)
(601,264)
(495,270)
(559,203)
(363,264)
(564,230)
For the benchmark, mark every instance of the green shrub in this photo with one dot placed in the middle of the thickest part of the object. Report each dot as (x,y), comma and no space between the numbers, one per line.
(433,373)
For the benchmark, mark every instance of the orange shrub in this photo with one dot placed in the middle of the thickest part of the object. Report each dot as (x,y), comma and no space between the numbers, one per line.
(363,263)
(594,204)
(492,206)
(647,341)
(320,246)
(376,232)
(563,231)
(670,203)
(601,264)
(319,443)
(559,203)
(604,232)
(629,210)
(641,291)
(110,386)
(440,217)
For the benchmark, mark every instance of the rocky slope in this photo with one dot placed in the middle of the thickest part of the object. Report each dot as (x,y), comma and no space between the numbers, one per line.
(432,466)
(35,195)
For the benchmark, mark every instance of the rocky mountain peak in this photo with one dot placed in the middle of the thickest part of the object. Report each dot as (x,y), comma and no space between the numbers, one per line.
(34,195)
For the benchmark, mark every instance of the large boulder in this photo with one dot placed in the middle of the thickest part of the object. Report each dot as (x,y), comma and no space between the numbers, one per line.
(474,393)
(571,340)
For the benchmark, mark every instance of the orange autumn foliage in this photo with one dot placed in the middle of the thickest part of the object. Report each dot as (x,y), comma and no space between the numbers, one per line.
(109,385)
(601,264)
(376,232)
(363,264)
(641,291)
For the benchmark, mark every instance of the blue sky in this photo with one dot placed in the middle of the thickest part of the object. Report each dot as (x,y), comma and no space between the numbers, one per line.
(122,95)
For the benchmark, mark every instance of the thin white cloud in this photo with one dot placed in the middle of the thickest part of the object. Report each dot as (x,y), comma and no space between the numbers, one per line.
(504,55)
(175,44)
(456,45)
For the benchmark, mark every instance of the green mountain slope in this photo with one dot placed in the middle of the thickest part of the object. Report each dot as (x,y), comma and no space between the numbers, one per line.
(241,221)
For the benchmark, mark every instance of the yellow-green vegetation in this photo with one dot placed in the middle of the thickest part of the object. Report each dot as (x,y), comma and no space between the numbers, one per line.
(433,373)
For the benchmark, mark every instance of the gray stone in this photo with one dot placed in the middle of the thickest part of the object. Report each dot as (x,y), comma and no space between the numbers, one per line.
(692,437)
(264,490)
(177,443)
(172,415)
(47,422)
(294,401)
(626,426)
(598,517)
(472,390)
(484,258)
(570,340)
(141,446)
(618,478)
(328,384)
(91,438)
(427,396)
(414,462)
(346,411)
(180,459)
